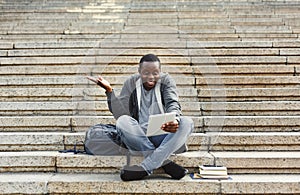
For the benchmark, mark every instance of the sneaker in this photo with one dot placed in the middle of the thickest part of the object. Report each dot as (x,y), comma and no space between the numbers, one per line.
(131,173)
(174,170)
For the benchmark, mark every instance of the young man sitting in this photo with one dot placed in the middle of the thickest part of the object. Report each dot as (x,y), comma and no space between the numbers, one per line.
(147,93)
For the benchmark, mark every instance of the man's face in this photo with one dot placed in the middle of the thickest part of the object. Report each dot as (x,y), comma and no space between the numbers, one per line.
(150,74)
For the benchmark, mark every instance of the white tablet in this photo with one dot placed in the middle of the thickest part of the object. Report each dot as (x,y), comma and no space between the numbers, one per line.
(156,121)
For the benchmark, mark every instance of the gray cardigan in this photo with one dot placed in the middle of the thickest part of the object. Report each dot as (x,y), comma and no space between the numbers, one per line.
(127,102)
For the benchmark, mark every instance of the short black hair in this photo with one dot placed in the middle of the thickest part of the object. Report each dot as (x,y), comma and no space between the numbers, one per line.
(149,58)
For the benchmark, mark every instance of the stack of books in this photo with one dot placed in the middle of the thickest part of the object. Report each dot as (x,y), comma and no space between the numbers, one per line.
(212,172)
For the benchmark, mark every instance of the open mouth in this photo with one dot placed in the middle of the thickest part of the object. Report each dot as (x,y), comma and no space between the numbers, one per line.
(150,84)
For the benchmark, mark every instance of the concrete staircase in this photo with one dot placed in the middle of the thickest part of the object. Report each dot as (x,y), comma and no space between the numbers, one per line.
(236,64)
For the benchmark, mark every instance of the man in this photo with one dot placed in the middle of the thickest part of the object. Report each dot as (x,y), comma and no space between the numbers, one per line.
(147,93)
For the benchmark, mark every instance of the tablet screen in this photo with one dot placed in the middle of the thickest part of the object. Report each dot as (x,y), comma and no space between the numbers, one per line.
(156,121)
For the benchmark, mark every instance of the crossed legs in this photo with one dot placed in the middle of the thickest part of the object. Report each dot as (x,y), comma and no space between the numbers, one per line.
(156,149)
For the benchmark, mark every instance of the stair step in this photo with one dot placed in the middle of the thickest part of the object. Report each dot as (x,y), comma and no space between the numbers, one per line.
(51,161)
(96,51)
(248,94)
(202,124)
(159,52)
(220,141)
(227,141)
(186,80)
(119,43)
(248,81)
(247,52)
(259,162)
(77,60)
(262,108)
(252,141)
(32,141)
(43,108)
(228,44)
(100,44)
(241,60)
(62,183)
(6,45)
(69,108)
(71,70)
(60,123)
(73,94)
(59,81)
(133,44)
(251,70)
(236,162)
(251,123)
(51,123)
(206,71)
(263,29)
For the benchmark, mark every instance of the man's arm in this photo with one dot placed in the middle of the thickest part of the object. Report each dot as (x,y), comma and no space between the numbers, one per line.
(101,82)
(170,96)
(118,105)
(171,101)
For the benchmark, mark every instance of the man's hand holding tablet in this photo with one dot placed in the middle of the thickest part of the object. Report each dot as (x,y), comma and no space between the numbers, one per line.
(162,124)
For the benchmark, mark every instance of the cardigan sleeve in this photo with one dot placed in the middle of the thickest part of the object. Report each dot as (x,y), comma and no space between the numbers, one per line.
(119,105)
(170,96)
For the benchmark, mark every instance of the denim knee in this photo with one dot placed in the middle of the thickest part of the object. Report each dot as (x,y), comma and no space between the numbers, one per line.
(123,120)
(186,124)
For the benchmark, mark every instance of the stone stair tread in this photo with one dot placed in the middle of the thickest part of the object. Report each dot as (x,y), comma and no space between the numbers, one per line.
(257,154)
(245,70)
(264,70)
(253,141)
(76,91)
(67,108)
(42,183)
(252,93)
(107,43)
(159,52)
(219,141)
(261,106)
(82,80)
(236,162)
(240,60)
(210,123)
(247,80)
(94,51)
(127,43)
(43,108)
(77,60)
(181,79)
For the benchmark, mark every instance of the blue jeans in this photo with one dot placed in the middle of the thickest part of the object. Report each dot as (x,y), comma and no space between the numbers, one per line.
(156,149)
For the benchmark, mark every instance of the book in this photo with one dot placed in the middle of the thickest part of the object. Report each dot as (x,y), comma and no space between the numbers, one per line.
(212,172)
(198,176)
(214,176)
(212,168)
(208,172)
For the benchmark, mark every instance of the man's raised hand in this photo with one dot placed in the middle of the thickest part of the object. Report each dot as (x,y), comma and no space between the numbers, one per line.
(101,82)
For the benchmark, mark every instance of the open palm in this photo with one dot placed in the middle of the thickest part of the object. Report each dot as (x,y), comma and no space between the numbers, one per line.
(101,82)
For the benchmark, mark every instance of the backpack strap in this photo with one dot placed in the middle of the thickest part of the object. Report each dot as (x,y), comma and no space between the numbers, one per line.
(74,150)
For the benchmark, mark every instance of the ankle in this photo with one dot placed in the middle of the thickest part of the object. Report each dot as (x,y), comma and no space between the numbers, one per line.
(174,170)
(131,173)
